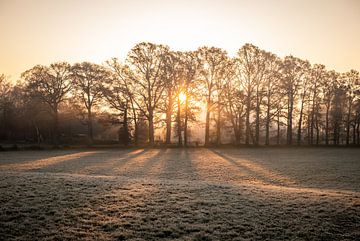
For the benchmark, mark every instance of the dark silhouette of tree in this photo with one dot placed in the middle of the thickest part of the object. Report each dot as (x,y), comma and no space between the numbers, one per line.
(227,75)
(234,107)
(88,79)
(351,84)
(5,102)
(304,98)
(356,133)
(272,91)
(173,87)
(328,87)
(293,70)
(123,77)
(250,62)
(213,63)
(317,74)
(190,69)
(256,96)
(116,95)
(5,90)
(51,85)
(337,112)
(147,63)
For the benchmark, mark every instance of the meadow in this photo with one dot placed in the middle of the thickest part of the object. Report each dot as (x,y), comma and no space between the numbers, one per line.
(181,194)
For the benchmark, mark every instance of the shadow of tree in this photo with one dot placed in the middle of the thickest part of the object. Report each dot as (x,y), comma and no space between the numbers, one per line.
(92,163)
(255,171)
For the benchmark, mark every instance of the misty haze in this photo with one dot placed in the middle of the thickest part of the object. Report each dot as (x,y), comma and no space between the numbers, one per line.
(179,120)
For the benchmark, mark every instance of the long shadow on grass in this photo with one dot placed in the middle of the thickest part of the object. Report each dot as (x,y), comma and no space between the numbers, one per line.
(308,167)
(70,207)
(178,164)
(99,163)
(147,166)
(114,164)
(47,161)
(256,171)
(23,157)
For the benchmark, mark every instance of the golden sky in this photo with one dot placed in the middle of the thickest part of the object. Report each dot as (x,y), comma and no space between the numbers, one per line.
(44,31)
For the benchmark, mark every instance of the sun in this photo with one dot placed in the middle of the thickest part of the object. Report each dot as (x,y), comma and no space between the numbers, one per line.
(182,96)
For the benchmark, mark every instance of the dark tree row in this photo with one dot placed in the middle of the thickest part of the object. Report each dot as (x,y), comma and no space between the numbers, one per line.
(253,98)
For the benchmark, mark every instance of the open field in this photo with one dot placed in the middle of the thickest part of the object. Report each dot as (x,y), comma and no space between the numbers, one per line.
(183,194)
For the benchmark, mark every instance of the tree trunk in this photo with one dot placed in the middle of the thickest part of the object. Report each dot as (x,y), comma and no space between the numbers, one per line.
(237,137)
(278,129)
(136,130)
(38,135)
(354,134)
(186,122)
(312,124)
(358,132)
(257,121)
(348,124)
(90,128)
(218,126)
(207,124)
(312,127)
(151,127)
(317,131)
(300,123)
(327,125)
(236,125)
(179,122)
(168,118)
(247,120)
(308,126)
(289,121)
(56,127)
(336,133)
(240,128)
(126,127)
(267,126)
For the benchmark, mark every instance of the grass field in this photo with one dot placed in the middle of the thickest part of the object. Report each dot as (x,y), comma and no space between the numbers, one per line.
(183,194)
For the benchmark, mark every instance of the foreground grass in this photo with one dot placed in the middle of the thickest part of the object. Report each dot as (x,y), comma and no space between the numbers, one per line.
(199,194)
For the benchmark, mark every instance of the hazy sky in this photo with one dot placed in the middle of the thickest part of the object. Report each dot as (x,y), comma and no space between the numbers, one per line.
(44,31)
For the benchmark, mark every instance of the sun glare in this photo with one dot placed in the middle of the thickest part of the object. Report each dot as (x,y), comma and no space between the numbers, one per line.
(182,96)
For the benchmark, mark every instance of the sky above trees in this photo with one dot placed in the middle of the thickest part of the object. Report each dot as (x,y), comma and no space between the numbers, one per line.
(42,32)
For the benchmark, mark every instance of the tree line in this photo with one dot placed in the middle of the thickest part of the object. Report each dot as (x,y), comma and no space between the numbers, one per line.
(253,98)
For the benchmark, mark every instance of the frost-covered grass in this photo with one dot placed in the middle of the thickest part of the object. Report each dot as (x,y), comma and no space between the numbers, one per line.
(183,194)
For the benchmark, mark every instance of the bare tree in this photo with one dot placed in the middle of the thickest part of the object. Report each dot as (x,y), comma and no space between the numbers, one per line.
(147,63)
(213,61)
(87,82)
(5,101)
(250,71)
(351,84)
(5,90)
(116,95)
(173,88)
(328,87)
(317,74)
(303,92)
(51,85)
(234,107)
(223,80)
(123,77)
(190,68)
(272,91)
(293,72)
(337,112)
